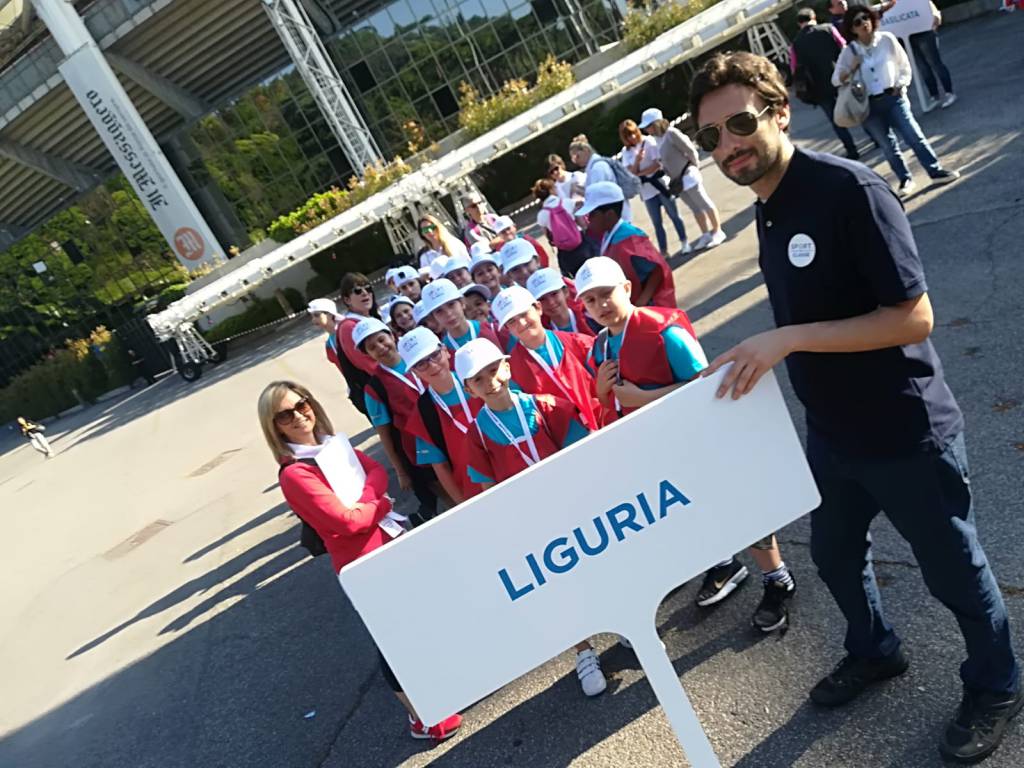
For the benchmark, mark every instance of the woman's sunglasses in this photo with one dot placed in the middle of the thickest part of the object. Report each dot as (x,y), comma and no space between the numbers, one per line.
(862,19)
(427,228)
(432,359)
(287,416)
(740,124)
(362,289)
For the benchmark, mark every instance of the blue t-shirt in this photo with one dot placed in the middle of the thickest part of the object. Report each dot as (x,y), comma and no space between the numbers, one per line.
(685,355)
(428,453)
(380,415)
(461,341)
(510,420)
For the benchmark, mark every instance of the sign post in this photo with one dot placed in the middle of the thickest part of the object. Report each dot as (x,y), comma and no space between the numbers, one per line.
(590,540)
(908,17)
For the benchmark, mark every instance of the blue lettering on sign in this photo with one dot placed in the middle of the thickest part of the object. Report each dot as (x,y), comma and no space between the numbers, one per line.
(564,553)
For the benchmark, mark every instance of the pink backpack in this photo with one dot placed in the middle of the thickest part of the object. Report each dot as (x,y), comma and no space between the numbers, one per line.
(565,235)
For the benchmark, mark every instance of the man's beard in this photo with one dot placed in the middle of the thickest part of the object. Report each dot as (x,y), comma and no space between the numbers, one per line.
(751,173)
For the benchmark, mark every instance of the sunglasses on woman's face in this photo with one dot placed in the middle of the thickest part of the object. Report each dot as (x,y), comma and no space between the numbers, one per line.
(361,290)
(740,124)
(858,20)
(427,228)
(287,416)
(432,359)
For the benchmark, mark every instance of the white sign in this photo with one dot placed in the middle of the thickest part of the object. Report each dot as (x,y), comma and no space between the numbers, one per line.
(908,17)
(139,156)
(590,540)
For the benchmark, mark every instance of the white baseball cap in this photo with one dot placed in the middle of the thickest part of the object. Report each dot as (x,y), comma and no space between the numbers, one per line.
(650,115)
(418,312)
(437,268)
(600,193)
(365,328)
(389,276)
(501,223)
(400,300)
(437,293)
(472,197)
(515,253)
(483,290)
(416,345)
(473,356)
(479,248)
(484,258)
(322,305)
(599,272)
(510,302)
(454,263)
(544,281)
(405,274)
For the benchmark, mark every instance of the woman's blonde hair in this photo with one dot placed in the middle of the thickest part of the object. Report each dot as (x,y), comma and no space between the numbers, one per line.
(443,234)
(266,407)
(580,143)
(660,127)
(628,128)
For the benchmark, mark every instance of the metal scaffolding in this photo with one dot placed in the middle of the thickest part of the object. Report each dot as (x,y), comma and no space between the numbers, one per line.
(317,69)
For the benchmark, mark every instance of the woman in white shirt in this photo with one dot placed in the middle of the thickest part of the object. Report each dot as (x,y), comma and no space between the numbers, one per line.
(640,156)
(568,186)
(883,66)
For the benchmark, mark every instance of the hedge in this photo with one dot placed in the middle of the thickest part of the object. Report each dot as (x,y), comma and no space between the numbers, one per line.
(259,312)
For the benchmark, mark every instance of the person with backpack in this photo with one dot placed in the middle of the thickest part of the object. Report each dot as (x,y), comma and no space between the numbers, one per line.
(812,59)
(557,219)
(604,169)
(344,502)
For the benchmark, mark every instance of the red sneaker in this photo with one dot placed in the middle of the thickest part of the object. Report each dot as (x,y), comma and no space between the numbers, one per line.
(443,730)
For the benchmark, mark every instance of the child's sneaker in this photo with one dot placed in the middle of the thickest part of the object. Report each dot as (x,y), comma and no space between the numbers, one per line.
(588,669)
(443,730)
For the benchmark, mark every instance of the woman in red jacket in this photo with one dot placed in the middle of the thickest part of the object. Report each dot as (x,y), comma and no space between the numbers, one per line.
(321,487)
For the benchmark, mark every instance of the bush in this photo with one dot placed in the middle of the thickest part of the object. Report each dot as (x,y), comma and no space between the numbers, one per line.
(90,366)
(329,204)
(169,295)
(320,286)
(645,21)
(478,115)
(259,312)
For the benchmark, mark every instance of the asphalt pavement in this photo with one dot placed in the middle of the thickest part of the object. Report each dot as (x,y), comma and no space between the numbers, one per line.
(155,609)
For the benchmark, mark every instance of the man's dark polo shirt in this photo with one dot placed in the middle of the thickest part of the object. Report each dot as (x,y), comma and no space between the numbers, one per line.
(835,243)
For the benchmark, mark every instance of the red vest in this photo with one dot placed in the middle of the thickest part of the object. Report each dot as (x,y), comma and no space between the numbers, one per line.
(572,372)
(401,404)
(456,442)
(579,313)
(504,461)
(484,331)
(640,245)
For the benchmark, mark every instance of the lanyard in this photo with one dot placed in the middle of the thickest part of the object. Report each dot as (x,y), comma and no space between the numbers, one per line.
(453,343)
(607,356)
(414,384)
(547,368)
(463,428)
(572,323)
(607,239)
(534,457)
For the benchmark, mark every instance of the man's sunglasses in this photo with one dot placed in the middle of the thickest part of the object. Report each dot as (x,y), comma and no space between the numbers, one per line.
(287,416)
(432,359)
(740,124)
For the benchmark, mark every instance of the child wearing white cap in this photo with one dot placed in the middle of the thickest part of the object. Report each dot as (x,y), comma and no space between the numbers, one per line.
(323,313)
(400,317)
(391,395)
(561,310)
(513,431)
(478,302)
(643,354)
(547,362)
(456,269)
(507,233)
(443,301)
(443,416)
(648,273)
(407,282)
(485,268)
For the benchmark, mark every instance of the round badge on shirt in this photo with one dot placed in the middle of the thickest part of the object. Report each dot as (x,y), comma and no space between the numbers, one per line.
(801,250)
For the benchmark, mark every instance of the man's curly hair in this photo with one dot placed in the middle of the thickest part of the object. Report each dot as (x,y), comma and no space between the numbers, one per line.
(738,68)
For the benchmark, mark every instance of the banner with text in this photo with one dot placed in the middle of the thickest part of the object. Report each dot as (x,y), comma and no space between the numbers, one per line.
(908,17)
(140,158)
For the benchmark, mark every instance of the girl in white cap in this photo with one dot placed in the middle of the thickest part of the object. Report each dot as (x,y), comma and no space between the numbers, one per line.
(400,316)
(561,310)
(515,430)
(390,396)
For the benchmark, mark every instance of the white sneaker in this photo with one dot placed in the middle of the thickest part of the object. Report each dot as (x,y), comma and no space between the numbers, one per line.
(717,238)
(588,669)
(701,242)
(948,100)
(685,249)
(932,104)
(907,187)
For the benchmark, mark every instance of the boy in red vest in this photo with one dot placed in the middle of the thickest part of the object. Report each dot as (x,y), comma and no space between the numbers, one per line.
(644,354)
(390,396)
(443,301)
(645,268)
(513,431)
(547,362)
(561,312)
(507,233)
(443,416)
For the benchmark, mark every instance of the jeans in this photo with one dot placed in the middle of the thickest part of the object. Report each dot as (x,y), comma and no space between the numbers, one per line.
(927,497)
(926,51)
(844,135)
(891,115)
(654,206)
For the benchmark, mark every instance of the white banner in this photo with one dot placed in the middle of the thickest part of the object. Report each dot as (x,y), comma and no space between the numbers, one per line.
(908,17)
(590,540)
(139,156)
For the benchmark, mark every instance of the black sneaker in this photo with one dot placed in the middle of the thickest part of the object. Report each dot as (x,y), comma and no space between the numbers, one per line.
(978,727)
(720,582)
(942,176)
(773,611)
(849,679)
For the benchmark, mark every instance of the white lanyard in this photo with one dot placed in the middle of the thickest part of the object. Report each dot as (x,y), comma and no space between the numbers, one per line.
(607,356)
(414,384)
(472,335)
(572,322)
(526,433)
(607,239)
(547,368)
(463,428)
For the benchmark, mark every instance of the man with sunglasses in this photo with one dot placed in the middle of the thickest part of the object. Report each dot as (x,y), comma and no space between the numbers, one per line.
(884,431)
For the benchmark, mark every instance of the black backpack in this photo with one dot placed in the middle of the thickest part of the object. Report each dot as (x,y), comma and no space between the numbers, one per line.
(309,539)
(432,421)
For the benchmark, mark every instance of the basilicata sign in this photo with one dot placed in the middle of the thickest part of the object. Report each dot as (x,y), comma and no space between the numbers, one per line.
(588,541)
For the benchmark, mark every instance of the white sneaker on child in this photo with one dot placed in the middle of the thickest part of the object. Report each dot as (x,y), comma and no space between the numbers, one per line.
(588,669)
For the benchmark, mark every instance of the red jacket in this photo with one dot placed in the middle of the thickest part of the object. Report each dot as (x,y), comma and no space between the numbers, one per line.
(571,372)
(401,404)
(628,241)
(360,360)
(348,534)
